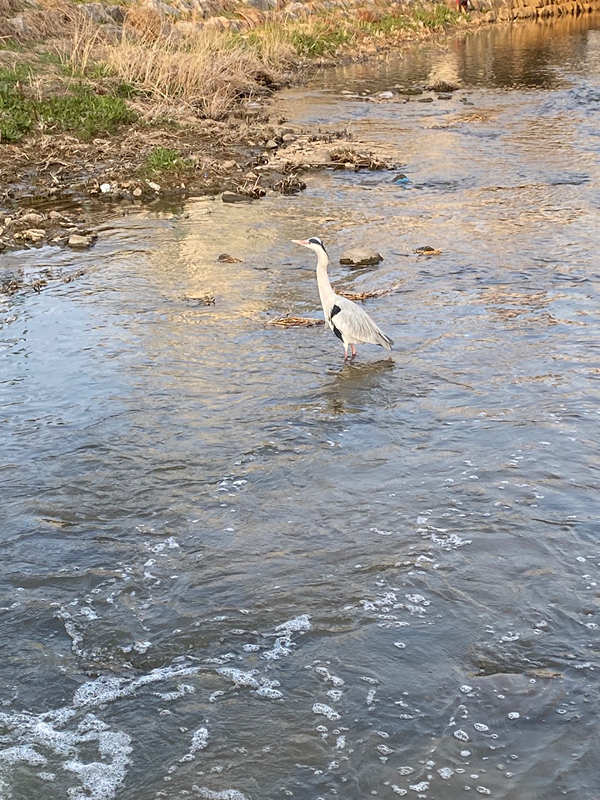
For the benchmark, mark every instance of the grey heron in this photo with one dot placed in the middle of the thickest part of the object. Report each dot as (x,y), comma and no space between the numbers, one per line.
(348,321)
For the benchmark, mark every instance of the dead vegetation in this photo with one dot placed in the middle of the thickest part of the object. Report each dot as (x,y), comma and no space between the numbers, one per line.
(364,160)
(295,322)
(369,294)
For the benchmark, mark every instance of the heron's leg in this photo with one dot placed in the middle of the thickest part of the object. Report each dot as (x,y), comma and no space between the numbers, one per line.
(353,351)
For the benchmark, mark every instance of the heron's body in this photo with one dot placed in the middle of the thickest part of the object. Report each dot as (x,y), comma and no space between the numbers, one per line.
(350,323)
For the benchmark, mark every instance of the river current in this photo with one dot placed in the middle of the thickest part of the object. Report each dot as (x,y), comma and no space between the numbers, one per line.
(233,567)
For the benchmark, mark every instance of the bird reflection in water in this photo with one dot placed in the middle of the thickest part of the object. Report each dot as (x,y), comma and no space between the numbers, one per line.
(352,387)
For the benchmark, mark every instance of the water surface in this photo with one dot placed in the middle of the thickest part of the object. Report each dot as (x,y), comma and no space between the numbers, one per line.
(234,567)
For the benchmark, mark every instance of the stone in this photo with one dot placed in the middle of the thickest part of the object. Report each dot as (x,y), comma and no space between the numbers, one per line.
(232,197)
(33,235)
(295,11)
(154,186)
(116,13)
(229,165)
(137,192)
(425,100)
(218,24)
(164,9)
(360,257)
(288,138)
(410,90)
(56,216)
(271,145)
(427,250)
(81,240)
(105,188)
(19,25)
(96,12)
(384,95)
(262,5)
(32,218)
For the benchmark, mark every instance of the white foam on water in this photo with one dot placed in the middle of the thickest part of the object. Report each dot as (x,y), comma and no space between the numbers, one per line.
(199,740)
(106,688)
(22,753)
(101,779)
(227,794)
(182,690)
(42,737)
(326,711)
(299,623)
(240,678)
(284,642)
(267,689)
(282,647)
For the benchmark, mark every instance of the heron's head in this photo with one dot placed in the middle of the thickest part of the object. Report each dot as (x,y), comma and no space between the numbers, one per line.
(314,243)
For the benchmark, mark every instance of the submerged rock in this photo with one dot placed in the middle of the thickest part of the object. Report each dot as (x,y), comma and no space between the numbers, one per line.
(233,197)
(360,257)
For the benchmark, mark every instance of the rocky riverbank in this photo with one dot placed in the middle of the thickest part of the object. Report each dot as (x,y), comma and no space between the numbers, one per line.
(149,100)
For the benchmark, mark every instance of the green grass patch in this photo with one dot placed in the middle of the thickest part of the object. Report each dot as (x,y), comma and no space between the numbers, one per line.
(82,111)
(436,16)
(11,44)
(321,40)
(164,159)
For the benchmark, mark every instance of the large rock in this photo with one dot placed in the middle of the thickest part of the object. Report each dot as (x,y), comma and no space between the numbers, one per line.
(262,5)
(360,257)
(96,12)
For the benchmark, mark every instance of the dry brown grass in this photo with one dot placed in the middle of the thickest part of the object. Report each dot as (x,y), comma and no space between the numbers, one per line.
(372,293)
(295,322)
(206,70)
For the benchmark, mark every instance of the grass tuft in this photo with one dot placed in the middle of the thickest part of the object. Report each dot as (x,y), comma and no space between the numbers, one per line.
(164,159)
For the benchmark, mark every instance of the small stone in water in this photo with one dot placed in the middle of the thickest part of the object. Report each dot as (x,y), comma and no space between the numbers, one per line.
(105,188)
(463,736)
(465,689)
(514,715)
(137,192)
(465,753)
(479,726)
(154,186)
(420,787)
(445,773)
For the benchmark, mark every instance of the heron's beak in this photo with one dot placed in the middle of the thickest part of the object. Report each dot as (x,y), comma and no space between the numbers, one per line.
(303,242)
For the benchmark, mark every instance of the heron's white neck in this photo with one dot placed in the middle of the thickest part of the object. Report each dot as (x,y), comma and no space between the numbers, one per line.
(325,290)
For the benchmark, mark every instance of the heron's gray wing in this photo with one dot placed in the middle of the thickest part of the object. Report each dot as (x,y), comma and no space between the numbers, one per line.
(356,325)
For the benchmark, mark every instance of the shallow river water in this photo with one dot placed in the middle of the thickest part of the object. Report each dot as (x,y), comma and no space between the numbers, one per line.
(234,567)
